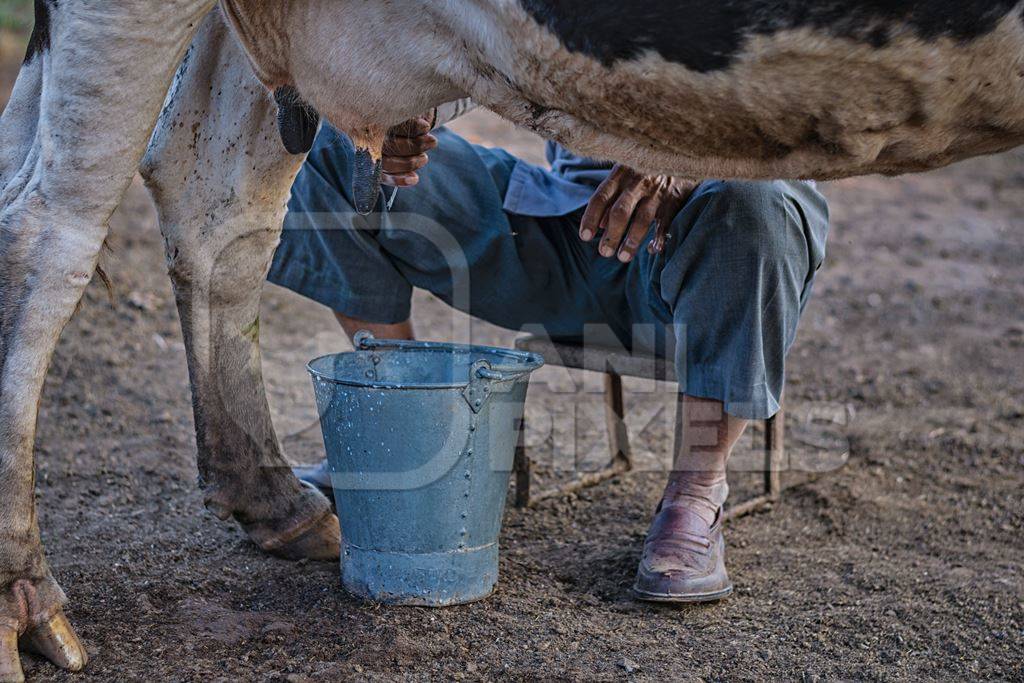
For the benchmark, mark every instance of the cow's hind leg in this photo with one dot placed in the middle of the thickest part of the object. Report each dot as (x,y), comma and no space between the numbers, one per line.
(220,178)
(96,79)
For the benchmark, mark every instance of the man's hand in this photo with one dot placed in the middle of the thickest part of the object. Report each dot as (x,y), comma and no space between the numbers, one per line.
(625,206)
(405,151)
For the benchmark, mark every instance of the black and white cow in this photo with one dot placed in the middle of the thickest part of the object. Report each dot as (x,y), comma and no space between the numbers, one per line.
(699,88)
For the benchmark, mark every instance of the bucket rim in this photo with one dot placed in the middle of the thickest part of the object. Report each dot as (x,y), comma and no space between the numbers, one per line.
(526,363)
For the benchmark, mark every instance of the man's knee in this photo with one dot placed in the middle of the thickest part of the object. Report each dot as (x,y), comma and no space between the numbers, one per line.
(748,195)
(755,219)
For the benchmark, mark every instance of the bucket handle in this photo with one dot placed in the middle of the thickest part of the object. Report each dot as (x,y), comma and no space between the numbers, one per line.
(365,341)
(481,375)
(499,373)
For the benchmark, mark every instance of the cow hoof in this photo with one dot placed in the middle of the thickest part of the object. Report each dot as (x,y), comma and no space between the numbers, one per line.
(319,541)
(10,664)
(57,641)
(53,639)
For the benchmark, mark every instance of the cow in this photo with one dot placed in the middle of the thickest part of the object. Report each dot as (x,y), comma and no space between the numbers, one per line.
(201,98)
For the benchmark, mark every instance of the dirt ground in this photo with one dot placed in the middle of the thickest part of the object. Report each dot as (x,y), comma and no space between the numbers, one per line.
(906,564)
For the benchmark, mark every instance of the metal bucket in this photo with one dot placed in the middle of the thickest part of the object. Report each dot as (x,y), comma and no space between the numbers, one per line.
(421,438)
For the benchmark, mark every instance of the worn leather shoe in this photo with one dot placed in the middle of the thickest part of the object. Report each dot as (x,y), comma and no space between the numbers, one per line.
(683,558)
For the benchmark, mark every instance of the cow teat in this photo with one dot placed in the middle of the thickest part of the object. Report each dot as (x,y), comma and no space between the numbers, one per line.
(297,122)
(366,185)
(369,159)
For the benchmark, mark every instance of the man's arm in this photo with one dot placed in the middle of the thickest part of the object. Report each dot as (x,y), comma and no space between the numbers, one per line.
(624,206)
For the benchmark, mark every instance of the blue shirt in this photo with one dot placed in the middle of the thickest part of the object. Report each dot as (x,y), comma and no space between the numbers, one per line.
(539,193)
(567,187)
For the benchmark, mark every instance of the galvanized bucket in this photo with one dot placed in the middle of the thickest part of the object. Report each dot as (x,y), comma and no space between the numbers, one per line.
(421,438)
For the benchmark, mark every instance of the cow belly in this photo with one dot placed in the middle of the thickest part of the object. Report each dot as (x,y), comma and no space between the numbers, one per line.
(797,89)
(799,102)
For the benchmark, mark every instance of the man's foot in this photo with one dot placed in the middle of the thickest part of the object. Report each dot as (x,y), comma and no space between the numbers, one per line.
(318,477)
(683,558)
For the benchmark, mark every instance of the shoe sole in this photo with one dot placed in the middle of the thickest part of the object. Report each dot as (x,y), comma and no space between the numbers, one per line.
(682,599)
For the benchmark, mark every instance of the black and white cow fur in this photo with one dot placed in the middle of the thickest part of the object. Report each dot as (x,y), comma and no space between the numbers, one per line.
(698,88)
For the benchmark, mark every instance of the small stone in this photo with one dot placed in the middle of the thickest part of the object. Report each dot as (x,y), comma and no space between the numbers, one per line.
(629,665)
(160,342)
(143,301)
(278,627)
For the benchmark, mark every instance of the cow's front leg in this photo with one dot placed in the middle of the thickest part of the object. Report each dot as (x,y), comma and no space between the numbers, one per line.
(220,178)
(46,260)
(18,130)
(72,139)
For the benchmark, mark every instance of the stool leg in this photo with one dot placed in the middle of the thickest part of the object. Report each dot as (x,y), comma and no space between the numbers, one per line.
(775,450)
(615,419)
(522,468)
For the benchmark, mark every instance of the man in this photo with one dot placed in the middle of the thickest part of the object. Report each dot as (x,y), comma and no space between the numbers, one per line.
(715,274)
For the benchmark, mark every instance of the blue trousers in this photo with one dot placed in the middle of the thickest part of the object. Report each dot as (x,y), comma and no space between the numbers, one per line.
(724,299)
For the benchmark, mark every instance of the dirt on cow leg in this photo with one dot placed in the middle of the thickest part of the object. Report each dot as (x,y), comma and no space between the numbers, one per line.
(220,237)
(241,467)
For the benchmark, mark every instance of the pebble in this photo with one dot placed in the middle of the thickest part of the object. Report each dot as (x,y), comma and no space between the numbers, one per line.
(278,627)
(629,665)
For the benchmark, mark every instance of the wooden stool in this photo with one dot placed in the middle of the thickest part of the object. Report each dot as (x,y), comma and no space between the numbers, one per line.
(616,364)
